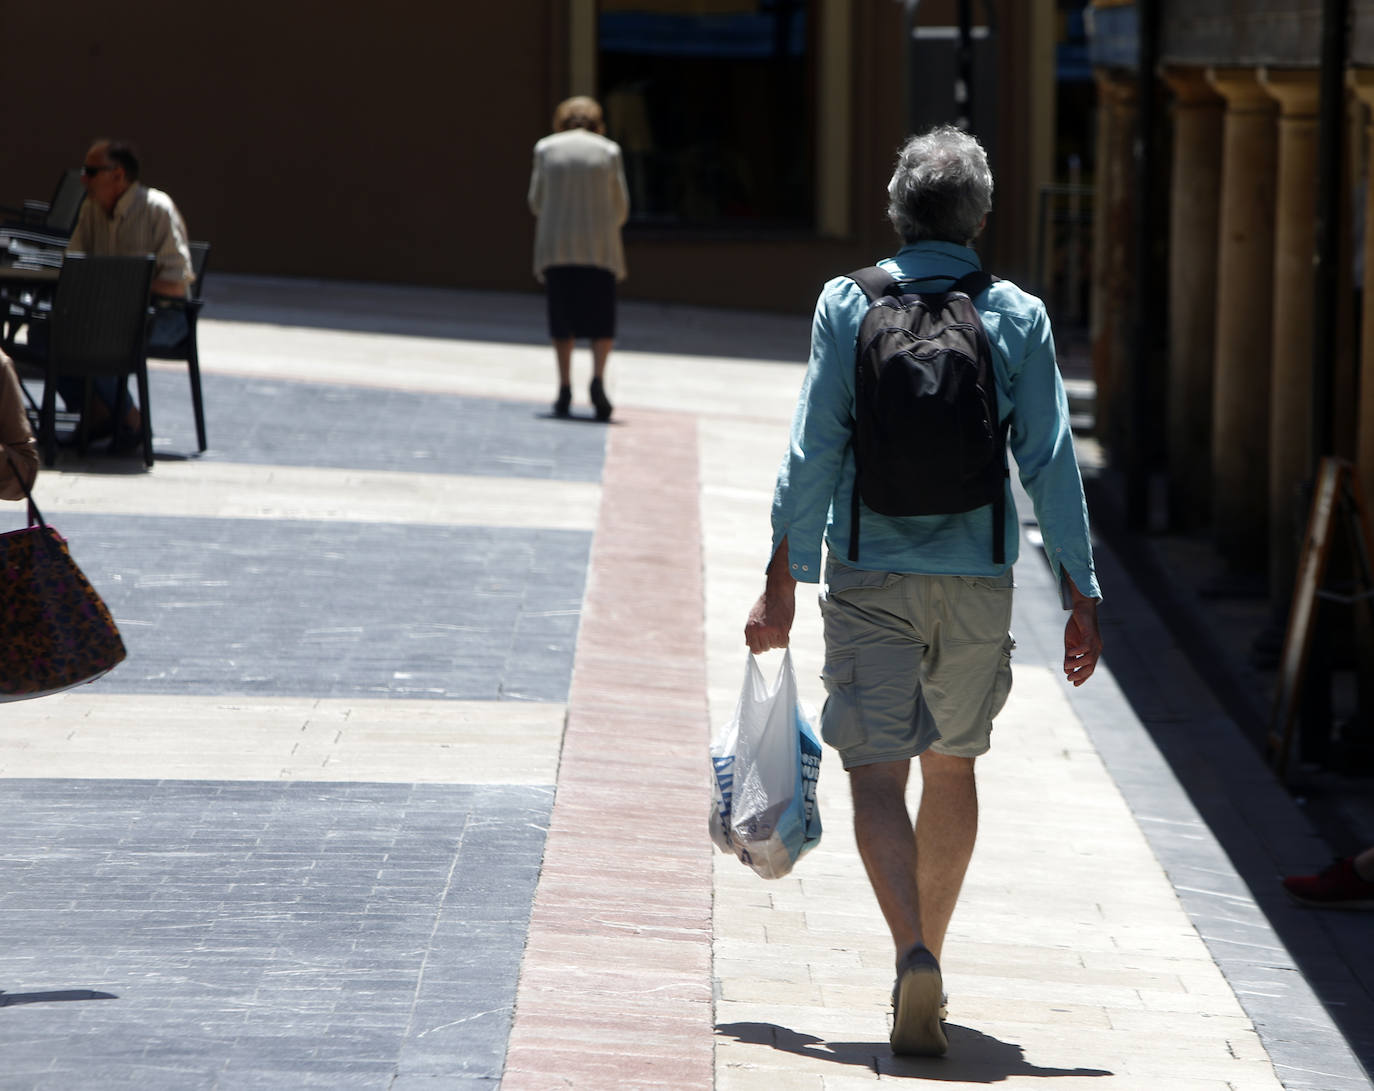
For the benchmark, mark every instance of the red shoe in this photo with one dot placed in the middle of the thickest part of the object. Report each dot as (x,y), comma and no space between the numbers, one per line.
(1338,887)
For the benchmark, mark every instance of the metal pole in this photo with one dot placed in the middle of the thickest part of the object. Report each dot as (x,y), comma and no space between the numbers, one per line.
(963,78)
(1326,260)
(1315,736)
(1146,287)
(909,68)
(1075,289)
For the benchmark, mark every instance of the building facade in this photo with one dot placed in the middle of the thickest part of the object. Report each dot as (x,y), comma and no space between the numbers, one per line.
(392,142)
(1249,398)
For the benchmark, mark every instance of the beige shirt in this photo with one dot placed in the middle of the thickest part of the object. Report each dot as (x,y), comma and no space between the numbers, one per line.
(16,440)
(144,221)
(577,189)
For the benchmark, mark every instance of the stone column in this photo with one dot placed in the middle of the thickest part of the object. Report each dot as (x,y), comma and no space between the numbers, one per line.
(1290,388)
(1113,251)
(1245,285)
(1195,202)
(1362,80)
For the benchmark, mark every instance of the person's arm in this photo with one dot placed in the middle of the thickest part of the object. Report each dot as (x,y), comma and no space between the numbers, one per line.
(536,191)
(822,425)
(1082,638)
(80,237)
(620,192)
(173,274)
(770,621)
(16,441)
(174,289)
(821,433)
(1041,441)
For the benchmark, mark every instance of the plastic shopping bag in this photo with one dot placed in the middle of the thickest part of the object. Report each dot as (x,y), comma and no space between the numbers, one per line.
(765,763)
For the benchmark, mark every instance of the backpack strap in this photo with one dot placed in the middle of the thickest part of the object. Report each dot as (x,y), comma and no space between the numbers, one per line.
(854,519)
(876,282)
(999,506)
(974,284)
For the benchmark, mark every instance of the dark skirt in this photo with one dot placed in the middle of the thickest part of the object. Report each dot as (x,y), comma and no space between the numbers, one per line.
(581,301)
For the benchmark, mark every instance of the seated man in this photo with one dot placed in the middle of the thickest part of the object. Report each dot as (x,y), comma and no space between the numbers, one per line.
(121,217)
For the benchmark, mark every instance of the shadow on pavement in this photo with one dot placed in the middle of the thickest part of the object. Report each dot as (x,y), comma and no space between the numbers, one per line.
(1210,729)
(9,1000)
(507,317)
(973,1057)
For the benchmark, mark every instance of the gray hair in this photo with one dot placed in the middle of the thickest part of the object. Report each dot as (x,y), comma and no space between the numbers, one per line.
(941,188)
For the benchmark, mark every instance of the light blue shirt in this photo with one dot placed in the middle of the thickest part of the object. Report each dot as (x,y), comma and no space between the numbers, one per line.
(816,480)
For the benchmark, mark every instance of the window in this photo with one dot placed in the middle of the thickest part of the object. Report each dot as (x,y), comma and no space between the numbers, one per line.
(711,102)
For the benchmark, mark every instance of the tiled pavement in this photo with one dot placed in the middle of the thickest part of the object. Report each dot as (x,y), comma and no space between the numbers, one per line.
(403,783)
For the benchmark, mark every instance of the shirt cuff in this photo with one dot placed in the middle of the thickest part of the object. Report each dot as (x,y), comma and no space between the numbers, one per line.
(1066,596)
(804,567)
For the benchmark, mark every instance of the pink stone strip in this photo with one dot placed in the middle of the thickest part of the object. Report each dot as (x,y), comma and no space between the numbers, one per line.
(615,990)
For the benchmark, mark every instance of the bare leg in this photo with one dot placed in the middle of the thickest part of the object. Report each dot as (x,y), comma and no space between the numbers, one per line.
(563,349)
(601,351)
(882,828)
(916,879)
(946,828)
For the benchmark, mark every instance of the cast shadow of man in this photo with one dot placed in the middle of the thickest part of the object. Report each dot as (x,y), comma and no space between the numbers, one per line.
(973,1057)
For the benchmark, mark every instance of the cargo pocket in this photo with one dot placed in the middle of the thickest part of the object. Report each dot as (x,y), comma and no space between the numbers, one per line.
(841,725)
(1001,686)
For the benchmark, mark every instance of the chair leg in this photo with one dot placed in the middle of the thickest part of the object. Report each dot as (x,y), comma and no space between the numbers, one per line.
(83,421)
(197,402)
(147,414)
(47,419)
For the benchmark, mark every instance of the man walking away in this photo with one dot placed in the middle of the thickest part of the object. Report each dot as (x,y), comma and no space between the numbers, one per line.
(916,615)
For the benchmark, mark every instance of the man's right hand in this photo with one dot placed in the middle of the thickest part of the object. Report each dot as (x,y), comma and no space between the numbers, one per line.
(770,621)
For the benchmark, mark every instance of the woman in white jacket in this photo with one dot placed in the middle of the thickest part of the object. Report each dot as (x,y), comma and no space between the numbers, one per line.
(578,193)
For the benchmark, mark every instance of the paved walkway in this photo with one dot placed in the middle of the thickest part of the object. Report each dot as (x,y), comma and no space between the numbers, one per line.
(404,783)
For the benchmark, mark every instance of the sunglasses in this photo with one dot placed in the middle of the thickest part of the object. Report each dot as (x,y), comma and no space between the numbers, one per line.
(91,172)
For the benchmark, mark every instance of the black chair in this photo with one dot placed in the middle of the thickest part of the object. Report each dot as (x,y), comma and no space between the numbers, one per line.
(98,327)
(186,349)
(48,223)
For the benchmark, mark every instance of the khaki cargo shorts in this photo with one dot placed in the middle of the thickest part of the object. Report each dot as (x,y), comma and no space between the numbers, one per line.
(913,662)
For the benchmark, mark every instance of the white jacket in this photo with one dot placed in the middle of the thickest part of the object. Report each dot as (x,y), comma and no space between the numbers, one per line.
(578,192)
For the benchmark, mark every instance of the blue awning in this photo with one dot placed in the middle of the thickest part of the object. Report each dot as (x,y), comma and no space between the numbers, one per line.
(1113,37)
(748,35)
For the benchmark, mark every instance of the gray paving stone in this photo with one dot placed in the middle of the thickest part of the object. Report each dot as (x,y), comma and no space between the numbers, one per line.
(139,954)
(258,421)
(1199,789)
(335,610)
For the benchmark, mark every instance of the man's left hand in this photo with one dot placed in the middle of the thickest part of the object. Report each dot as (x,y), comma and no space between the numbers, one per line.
(1082,642)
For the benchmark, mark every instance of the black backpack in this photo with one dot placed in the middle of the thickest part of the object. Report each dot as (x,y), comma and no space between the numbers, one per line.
(927,439)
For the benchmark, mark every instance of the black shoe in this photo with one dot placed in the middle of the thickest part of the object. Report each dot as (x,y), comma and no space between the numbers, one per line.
(918,1006)
(561,406)
(98,425)
(126,442)
(601,403)
(100,429)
